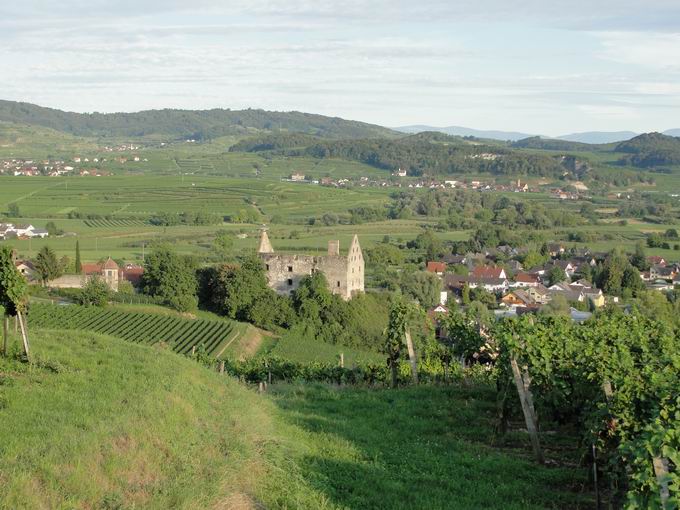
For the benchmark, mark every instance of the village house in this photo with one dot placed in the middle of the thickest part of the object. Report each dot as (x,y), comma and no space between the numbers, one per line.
(8,230)
(108,270)
(438,268)
(517,298)
(526,280)
(344,274)
(26,268)
(488,272)
(297,177)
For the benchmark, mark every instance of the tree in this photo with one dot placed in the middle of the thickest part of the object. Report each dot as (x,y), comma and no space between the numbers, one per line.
(232,289)
(533,259)
(13,286)
(558,305)
(52,229)
(95,292)
(465,294)
(394,344)
(639,258)
(422,286)
(79,264)
(631,280)
(13,210)
(172,278)
(47,266)
(224,243)
(612,273)
(555,275)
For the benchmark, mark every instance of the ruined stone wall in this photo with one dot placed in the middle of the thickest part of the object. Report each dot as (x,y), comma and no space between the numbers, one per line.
(284,272)
(345,275)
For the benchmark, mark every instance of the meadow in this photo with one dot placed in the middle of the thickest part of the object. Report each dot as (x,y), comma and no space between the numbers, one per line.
(101,423)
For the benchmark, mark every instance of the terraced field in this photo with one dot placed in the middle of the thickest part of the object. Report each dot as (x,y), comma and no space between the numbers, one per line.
(114,223)
(179,333)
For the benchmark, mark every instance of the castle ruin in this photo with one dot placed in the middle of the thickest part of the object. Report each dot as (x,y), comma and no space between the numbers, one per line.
(344,274)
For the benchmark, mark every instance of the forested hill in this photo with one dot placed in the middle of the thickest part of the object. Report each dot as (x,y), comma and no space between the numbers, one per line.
(651,149)
(196,124)
(426,153)
(553,144)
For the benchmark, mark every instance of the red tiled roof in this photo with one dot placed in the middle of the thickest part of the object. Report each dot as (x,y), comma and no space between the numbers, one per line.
(92,268)
(487,272)
(110,264)
(526,278)
(436,267)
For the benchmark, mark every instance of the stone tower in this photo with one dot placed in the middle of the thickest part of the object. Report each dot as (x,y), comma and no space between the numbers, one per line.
(110,273)
(265,245)
(355,267)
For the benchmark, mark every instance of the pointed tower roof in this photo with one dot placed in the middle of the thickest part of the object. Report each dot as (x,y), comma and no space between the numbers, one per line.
(265,245)
(110,264)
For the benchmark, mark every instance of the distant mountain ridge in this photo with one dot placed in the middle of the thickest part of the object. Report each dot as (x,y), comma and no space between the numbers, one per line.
(196,124)
(463,131)
(589,137)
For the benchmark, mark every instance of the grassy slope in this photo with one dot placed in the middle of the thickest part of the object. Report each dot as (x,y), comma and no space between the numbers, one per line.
(97,421)
(100,423)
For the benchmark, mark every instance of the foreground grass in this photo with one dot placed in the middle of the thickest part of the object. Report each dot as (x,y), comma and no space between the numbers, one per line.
(96,422)
(427,447)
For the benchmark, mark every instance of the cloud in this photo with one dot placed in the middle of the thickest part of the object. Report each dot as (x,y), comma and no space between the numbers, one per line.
(659,51)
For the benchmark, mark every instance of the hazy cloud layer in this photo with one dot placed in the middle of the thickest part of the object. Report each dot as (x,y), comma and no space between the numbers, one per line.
(535,65)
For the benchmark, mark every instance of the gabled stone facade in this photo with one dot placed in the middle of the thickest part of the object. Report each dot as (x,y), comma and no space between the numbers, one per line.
(345,274)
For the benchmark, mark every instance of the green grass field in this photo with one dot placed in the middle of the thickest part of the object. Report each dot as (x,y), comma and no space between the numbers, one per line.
(96,422)
(297,347)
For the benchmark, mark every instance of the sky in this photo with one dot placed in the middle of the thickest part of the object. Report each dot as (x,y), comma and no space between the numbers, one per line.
(539,66)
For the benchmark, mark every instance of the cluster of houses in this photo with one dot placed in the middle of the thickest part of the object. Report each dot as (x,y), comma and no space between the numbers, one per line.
(520,290)
(108,270)
(56,168)
(662,275)
(12,231)
(28,167)
(430,183)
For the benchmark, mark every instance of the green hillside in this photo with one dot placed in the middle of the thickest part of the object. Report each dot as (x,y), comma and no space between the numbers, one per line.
(195,124)
(553,144)
(650,150)
(96,422)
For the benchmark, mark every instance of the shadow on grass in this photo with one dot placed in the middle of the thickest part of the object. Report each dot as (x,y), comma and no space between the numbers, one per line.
(426,447)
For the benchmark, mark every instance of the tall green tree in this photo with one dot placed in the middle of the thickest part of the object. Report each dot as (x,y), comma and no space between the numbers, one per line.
(79,264)
(13,210)
(394,341)
(556,275)
(639,258)
(47,265)
(13,286)
(171,277)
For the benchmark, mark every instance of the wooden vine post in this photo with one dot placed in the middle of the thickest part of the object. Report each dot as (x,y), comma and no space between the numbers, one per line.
(522,382)
(661,471)
(24,333)
(411,355)
(5,333)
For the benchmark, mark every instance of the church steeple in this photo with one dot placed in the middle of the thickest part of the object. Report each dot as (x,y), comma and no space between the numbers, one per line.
(265,245)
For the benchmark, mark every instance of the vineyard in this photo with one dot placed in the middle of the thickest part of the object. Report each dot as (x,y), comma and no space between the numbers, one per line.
(180,334)
(615,379)
(113,223)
